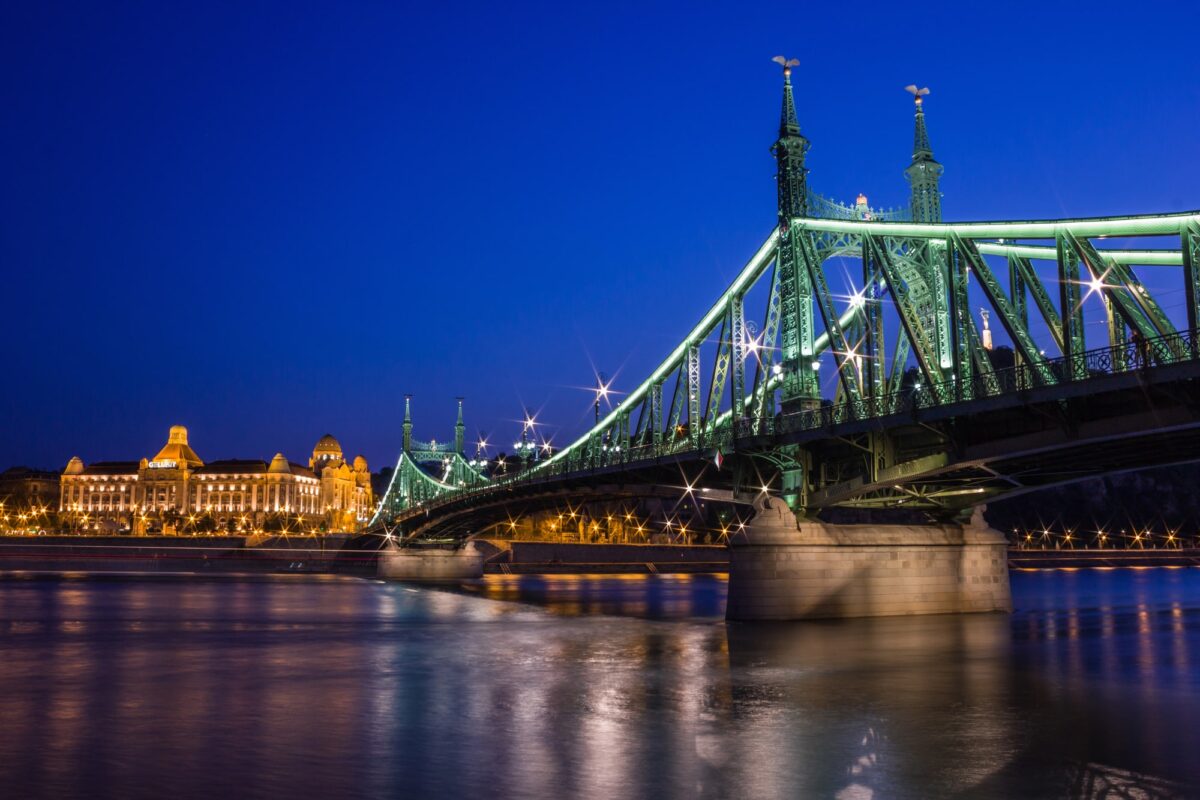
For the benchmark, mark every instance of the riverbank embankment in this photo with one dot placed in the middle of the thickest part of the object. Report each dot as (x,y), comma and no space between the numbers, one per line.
(351,554)
(186,554)
(550,558)
(1092,559)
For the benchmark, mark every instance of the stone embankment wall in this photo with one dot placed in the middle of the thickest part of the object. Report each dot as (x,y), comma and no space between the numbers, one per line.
(550,557)
(781,569)
(188,554)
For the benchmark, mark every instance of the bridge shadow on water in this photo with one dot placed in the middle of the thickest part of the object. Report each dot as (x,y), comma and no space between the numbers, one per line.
(1087,690)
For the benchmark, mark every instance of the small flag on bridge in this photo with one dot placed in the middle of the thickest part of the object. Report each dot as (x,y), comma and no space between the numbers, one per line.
(718,459)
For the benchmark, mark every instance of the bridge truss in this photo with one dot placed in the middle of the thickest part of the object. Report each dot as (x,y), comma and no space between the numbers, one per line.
(885,392)
(722,388)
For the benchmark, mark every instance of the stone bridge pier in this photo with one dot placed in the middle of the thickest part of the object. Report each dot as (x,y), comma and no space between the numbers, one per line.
(781,569)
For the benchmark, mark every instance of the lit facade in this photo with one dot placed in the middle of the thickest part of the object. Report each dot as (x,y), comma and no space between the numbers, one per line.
(28,498)
(176,491)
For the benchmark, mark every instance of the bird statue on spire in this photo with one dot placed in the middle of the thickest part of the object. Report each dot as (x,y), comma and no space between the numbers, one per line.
(916,93)
(924,172)
(786,63)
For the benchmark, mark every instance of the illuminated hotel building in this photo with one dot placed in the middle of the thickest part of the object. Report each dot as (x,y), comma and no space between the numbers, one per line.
(176,487)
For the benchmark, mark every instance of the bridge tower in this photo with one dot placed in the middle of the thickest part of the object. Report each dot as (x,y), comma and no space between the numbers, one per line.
(799,389)
(459,429)
(923,173)
(407,423)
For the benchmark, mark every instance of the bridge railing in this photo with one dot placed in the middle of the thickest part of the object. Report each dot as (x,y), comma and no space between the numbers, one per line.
(1126,357)
(1121,358)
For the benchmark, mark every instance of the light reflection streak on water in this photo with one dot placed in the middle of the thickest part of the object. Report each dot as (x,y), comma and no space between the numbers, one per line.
(300,688)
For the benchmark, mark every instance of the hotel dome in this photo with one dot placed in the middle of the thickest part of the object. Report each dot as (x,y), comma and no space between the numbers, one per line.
(327,448)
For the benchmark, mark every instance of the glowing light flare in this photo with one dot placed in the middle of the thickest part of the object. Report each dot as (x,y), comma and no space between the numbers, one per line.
(1097,285)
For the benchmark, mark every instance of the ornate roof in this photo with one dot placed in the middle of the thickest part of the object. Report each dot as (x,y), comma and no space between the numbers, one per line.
(327,444)
(177,449)
(234,466)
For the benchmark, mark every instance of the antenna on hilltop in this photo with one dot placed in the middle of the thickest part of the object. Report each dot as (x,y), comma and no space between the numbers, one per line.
(916,93)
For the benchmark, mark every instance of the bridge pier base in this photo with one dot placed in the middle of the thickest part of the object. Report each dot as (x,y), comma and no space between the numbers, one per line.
(780,569)
(429,565)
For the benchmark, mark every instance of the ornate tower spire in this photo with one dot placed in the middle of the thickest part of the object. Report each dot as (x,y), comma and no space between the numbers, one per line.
(407,423)
(923,173)
(789,151)
(460,430)
(797,353)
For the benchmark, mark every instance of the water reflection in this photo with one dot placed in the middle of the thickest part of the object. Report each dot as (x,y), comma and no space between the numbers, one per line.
(662,597)
(628,687)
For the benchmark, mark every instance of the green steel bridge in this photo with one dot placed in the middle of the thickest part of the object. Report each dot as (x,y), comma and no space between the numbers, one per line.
(966,362)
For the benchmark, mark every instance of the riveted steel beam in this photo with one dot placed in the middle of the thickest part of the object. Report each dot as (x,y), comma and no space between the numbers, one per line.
(911,322)
(1009,318)
(1190,253)
(737,338)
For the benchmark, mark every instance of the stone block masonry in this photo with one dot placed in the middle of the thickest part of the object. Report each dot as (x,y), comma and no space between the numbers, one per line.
(781,569)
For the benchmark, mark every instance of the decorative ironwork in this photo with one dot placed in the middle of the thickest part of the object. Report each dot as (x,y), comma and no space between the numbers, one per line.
(914,287)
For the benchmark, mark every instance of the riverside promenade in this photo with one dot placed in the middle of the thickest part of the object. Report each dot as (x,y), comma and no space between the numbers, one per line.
(351,554)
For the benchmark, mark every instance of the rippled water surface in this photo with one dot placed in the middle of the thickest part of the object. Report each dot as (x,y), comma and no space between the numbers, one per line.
(590,687)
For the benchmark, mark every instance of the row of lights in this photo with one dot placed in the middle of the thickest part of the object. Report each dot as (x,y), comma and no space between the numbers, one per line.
(672,526)
(1070,538)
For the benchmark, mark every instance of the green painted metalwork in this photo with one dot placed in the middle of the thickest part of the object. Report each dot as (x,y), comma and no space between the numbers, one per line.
(917,272)
(412,484)
(1041,297)
(1071,303)
(923,173)
(960,315)
(981,364)
(1190,251)
(1009,318)
(846,366)
(923,345)
(656,413)
(408,424)
(762,401)
(872,339)
(1134,299)
(1111,227)
(720,372)
(820,206)
(737,336)
(693,394)
(459,429)
(1117,332)
(795,288)
(899,359)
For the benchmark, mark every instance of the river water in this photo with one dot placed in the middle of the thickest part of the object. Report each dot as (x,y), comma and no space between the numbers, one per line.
(599,687)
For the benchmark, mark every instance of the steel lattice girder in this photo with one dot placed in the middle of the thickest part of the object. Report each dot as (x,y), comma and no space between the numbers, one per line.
(1112,227)
(902,249)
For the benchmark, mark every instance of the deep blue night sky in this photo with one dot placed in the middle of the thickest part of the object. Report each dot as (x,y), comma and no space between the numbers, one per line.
(268,221)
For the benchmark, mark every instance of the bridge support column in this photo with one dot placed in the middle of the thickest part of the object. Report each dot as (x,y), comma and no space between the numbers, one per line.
(429,565)
(783,570)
